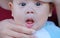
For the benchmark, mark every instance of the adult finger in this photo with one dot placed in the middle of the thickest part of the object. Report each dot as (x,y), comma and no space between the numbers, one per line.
(22,29)
(8,37)
(15,34)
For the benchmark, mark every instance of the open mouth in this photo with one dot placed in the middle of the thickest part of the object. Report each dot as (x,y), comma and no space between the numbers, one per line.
(29,23)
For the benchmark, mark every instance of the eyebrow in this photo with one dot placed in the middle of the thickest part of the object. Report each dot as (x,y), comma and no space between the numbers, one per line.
(29,0)
(33,0)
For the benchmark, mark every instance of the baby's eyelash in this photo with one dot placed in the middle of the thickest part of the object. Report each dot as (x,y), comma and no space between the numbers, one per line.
(38,4)
(22,4)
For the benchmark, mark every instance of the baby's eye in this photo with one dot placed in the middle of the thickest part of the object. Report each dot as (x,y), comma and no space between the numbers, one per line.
(22,4)
(38,4)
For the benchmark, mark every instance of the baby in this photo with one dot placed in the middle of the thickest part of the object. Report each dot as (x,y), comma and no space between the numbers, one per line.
(32,14)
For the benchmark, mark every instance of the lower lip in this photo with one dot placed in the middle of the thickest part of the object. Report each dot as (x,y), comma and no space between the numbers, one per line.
(29,25)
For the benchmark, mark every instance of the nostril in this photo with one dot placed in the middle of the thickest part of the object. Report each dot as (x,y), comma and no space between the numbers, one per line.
(29,12)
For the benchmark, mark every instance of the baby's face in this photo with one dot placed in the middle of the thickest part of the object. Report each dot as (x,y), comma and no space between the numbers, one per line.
(31,14)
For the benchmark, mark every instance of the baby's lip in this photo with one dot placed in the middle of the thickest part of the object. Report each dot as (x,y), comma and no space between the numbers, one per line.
(29,22)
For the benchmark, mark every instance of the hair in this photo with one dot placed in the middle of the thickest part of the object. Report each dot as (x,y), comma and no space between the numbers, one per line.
(11,0)
(52,5)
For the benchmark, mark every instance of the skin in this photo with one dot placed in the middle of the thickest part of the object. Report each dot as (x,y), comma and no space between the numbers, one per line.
(40,15)
(11,30)
(20,13)
(6,24)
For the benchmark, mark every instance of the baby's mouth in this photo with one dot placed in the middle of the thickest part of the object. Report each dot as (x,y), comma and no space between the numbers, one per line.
(29,23)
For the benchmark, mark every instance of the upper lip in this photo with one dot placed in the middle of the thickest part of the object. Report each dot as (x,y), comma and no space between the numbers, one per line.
(30,20)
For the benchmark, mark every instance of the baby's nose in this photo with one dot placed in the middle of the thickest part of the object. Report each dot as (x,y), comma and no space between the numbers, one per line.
(30,10)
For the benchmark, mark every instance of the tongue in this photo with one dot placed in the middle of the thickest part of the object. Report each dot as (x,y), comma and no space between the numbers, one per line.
(29,23)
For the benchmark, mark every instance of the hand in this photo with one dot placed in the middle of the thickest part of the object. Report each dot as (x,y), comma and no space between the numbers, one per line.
(11,30)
